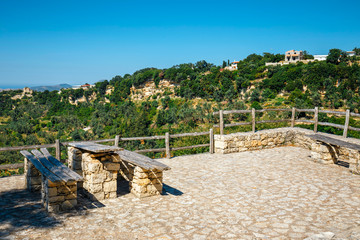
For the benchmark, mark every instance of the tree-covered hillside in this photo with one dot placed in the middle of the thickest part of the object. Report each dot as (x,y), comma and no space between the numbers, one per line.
(107,109)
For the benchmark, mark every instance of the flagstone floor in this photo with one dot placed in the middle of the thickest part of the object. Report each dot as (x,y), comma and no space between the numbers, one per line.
(276,193)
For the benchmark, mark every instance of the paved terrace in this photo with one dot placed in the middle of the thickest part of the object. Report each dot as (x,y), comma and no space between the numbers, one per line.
(276,193)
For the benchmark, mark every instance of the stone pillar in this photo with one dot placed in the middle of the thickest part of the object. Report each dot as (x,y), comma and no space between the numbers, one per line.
(100,175)
(58,197)
(32,176)
(75,162)
(146,183)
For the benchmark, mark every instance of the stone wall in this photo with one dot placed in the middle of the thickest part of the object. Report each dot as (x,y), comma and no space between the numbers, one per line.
(270,138)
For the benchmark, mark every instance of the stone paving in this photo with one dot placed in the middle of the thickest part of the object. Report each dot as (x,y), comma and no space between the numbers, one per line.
(276,193)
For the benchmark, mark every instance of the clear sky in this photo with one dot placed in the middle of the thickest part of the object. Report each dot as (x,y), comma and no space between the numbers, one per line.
(74,42)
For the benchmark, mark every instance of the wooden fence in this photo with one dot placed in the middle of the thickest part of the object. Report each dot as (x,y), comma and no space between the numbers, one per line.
(57,145)
(293,119)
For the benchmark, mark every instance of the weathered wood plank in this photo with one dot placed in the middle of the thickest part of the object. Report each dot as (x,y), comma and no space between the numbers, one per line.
(188,134)
(293,112)
(316,119)
(141,160)
(237,124)
(142,138)
(167,145)
(253,119)
(94,147)
(274,121)
(11,166)
(332,112)
(346,126)
(354,129)
(331,125)
(150,150)
(53,168)
(221,122)
(212,141)
(274,109)
(26,147)
(333,141)
(190,147)
(67,170)
(51,176)
(305,121)
(355,114)
(305,110)
(232,111)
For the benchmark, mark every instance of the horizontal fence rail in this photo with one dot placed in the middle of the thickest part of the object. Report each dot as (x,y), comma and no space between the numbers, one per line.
(57,145)
(293,119)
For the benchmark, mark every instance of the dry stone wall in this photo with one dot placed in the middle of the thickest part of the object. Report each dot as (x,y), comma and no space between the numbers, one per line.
(248,141)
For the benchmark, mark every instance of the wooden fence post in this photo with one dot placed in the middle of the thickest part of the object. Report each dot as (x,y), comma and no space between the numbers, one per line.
(253,119)
(167,144)
(117,139)
(293,112)
(221,122)
(211,148)
(347,119)
(316,119)
(58,150)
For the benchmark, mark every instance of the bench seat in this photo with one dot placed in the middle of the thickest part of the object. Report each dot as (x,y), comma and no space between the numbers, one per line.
(58,183)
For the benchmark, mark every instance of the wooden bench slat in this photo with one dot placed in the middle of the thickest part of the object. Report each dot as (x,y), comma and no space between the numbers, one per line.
(51,176)
(55,169)
(56,162)
(334,141)
(94,147)
(141,160)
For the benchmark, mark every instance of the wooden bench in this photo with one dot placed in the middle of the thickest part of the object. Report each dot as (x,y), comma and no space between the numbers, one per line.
(334,145)
(58,183)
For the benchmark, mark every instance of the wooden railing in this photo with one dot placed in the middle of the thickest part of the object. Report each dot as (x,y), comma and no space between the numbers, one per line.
(293,119)
(57,145)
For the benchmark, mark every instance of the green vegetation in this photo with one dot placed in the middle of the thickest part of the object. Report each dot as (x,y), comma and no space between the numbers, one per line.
(201,88)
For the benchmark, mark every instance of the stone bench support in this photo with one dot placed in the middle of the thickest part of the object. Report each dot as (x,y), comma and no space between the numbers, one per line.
(32,176)
(270,138)
(58,197)
(100,172)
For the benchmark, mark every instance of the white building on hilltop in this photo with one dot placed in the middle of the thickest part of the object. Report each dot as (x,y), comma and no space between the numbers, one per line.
(320,57)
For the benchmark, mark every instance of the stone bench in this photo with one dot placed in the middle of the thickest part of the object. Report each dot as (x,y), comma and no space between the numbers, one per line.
(100,166)
(299,137)
(58,183)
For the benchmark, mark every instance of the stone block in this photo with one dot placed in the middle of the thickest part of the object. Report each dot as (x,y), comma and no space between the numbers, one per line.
(112,166)
(98,196)
(110,186)
(53,184)
(52,191)
(93,166)
(98,177)
(220,144)
(141,182)
(35,180)
(53,208)
(71,196)
(67,205)
(56,199)
(94,188)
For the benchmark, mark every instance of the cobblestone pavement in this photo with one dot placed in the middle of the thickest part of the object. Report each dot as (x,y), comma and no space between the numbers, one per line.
(269,194)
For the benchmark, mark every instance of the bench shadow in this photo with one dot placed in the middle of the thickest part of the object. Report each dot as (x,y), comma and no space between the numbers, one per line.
(170,190)
(21,209)
(87,201)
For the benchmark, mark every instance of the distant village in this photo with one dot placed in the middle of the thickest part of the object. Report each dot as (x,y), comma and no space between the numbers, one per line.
(291,56)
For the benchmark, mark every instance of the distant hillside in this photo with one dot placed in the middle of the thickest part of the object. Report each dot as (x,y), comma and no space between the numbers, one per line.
(50,88)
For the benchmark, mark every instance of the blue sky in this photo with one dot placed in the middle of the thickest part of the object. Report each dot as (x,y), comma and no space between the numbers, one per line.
(53,42)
